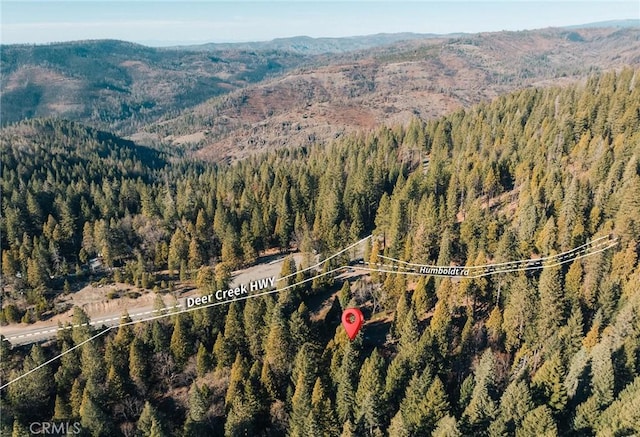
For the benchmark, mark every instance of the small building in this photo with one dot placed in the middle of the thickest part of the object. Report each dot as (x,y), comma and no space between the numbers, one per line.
(95,264)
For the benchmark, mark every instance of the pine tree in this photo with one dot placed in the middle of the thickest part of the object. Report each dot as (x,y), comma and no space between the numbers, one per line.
(494,326)
(138,364)
(603,377)
(397,426)
(304,375)
(255,327)
(115,383)
(69,368)
(299,327)
(239,374)
(344,295)
(440,325)
(323,410)
(553,302)
(401,311)
(519,313)
(181,345)
(346,383)
(81,327)
(178,249)
(19,430)
(75,397)
(92,416)
(398,376)
(424,404)
(61,410)
(423,297)
(374,259)
(147,418)
(369,395)
(223,355)
(157,429)
(482,409)
(515,403)
(195,258)
(197,404)
(202,361)
(537,423)
(278,351)
(447,427)
(548,383)
(234,334)
(30,395)
(160,336)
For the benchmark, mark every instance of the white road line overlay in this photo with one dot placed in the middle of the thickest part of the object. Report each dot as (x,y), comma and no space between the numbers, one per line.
(588,246)
(168,315)
(507,267)
(56,357)
(93,322)
(275,290)
(205,306)
(493,272)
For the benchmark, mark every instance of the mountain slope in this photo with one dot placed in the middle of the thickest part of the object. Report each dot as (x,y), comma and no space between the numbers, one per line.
(120,85)
(390,85)
(547,352)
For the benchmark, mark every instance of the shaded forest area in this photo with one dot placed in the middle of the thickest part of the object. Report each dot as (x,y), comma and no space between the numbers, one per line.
(535,172)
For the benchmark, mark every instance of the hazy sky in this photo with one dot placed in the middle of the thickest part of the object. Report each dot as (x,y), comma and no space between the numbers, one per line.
(171,22)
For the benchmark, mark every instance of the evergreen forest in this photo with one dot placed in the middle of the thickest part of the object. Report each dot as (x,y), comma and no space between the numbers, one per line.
(547,352)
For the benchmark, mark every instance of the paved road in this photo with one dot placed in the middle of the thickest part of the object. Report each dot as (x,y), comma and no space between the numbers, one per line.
(19,334)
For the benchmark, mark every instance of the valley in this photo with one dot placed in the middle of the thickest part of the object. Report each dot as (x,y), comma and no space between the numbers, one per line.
(203,218)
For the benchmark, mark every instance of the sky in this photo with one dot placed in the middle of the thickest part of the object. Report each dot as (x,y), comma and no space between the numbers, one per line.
(161,22)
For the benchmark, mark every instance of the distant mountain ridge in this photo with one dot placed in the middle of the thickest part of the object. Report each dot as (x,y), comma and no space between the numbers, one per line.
(316,46)
(610,23)
(297,89)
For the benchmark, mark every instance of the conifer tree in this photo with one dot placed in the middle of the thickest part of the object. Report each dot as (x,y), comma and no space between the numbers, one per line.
(447,427)
(515,403)
(538,422)
(482,409)
(278,351)
(239,374)
(75,397)
(197,404)
(322,410)
(148,416)
(346,382)
(255,325)
(92,416)
(234,330)
(552,300)
(181,345)
(301,400)
(398,376)
(548,383)
(222,353)
(369,395)
(61,409)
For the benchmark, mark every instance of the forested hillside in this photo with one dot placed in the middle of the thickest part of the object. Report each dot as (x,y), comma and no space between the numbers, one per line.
(120,85)
(235,100)
(537,172)
(345,93)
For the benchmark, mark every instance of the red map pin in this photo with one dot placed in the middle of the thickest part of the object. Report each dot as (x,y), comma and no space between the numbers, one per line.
(352,319)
